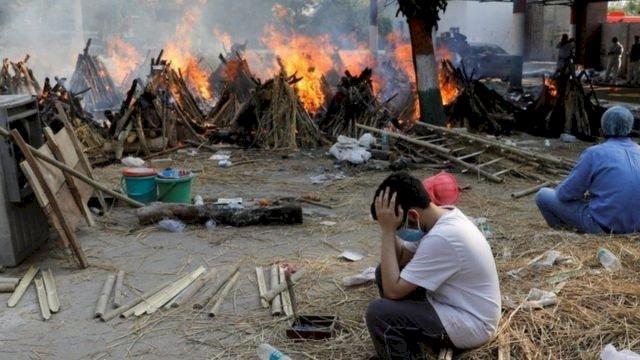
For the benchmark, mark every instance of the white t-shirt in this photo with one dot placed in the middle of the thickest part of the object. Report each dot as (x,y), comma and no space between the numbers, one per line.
(455,264)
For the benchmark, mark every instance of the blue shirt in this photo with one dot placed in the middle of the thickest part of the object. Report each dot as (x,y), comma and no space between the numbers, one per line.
(611,173)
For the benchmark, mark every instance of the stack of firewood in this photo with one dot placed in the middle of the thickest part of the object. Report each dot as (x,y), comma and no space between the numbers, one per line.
(477,107)
(91,73)
(160,114)
(21,81)
(353,103)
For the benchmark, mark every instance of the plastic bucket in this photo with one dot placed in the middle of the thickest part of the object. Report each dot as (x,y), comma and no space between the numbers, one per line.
(140,188)
(174,190)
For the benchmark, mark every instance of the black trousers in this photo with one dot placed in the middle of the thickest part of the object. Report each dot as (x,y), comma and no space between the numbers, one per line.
(399,327)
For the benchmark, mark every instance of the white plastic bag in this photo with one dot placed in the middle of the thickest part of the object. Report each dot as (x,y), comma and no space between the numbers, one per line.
(611,353)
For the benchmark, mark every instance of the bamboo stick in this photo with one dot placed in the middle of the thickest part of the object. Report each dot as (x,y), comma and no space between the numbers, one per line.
(117,293)
(187,293)
(22,286)
(276,300)
(210,294)
(531,190)
(162,297)
(5,280)
(122,309)
(223,293)
(52,291)
(286,296)
(262,286)
(278,288)
(42,299)
(79,175)
(101,305)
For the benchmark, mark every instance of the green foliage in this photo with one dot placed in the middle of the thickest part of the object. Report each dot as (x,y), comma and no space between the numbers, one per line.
(630,7)
(426,10)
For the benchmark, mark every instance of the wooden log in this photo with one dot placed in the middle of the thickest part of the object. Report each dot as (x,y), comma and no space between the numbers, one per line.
(42,299)
(262,286)
(277,289)
(189,292)
(101,305)
(7,287)
(279,213)
(276,300)
(79,175)
(52,291)
(117,292)
(122,309)
(57,213)
(215,309)
(531,190)
(22,286)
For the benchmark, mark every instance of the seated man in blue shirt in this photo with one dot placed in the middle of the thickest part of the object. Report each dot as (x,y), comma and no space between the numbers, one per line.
(610,174)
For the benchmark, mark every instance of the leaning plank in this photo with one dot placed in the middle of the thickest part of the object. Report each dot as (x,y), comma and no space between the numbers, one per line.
(123,309)
(215,309)
(276,300)
(42,299)
(101,305)
(55,207)
(22,286)
(279,213)
(117,292)
(52,291)
(278,288)
(262,286)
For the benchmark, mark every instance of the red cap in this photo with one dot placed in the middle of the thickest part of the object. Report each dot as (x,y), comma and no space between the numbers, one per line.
(442,189)
(138,172)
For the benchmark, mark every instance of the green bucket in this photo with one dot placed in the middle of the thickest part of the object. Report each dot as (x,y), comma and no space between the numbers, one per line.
(175,190)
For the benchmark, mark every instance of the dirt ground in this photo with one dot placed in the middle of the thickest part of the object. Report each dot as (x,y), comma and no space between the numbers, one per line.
(578,327)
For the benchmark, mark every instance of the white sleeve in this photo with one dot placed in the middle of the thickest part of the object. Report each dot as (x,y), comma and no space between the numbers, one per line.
(434,263)
(410,246)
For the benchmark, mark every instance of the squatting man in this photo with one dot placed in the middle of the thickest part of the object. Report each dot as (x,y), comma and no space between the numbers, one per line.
(437,278)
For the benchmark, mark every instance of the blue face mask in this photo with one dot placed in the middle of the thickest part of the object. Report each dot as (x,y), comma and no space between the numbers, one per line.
(411,235)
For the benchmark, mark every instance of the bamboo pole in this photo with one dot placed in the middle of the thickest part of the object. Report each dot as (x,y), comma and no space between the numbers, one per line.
(223,293)
(276,300)
(115,312)
(531,190)
(286,296)
(52,291)
(4,280)
(7,287)
(188,293)
(79,175)
(210,294)
(101,305)
(163,296)
(276,288)
(117,293)
(22,286)
(262,286)
(42,299)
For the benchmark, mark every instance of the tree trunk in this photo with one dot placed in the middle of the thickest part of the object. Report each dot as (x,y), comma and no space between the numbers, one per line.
(431,108)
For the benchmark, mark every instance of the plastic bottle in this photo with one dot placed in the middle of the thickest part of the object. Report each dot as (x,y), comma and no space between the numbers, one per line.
(609,260)
(268,352)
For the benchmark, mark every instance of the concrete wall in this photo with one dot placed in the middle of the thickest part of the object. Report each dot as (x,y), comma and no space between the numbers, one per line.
(545,26)
(625,34)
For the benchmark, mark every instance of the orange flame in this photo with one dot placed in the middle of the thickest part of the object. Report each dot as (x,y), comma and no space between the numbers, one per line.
(122,58)
(178,52)
(308,58)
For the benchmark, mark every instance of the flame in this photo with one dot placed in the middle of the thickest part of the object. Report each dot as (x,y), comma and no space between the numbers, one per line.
(178,52)
(553,89)
(122,58)
(308,58)
(224,38)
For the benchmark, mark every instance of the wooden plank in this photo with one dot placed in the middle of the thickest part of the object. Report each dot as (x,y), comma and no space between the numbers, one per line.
(57,212)
(42,299)
(84,162)
(22,286)
(59,155)
(52,291)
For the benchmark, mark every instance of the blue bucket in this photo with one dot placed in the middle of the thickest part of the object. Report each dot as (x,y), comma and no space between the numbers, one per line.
(140,188)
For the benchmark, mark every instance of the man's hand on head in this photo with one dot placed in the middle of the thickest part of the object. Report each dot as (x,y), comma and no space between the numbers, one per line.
(389,215)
